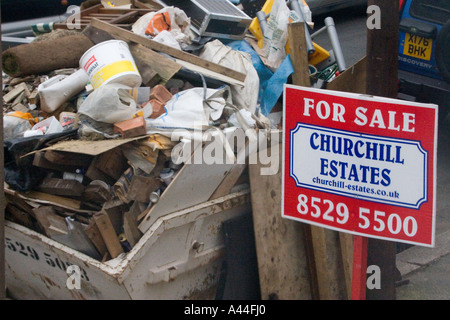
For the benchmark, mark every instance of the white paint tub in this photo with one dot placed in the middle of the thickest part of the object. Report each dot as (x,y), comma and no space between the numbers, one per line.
(179,257)
(111,62)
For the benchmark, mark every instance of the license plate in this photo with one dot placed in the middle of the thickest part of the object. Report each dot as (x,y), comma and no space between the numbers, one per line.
(417,47)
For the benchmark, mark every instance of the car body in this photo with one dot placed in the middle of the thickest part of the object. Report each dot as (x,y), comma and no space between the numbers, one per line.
(424,48)
(14,10)
(319,7)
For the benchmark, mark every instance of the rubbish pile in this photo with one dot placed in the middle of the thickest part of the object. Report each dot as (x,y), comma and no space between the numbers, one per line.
(94,116)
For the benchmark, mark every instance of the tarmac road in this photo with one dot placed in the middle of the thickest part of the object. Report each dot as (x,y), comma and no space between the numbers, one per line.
(352,32)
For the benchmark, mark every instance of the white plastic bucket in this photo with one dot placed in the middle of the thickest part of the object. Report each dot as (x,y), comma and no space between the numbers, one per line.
(111,62)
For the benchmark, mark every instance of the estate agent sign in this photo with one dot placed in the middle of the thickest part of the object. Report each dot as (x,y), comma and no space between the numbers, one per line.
(360,164)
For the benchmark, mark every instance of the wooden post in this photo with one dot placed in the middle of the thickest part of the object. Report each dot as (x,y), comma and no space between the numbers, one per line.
(382,66)
(300,77)
(282,251)
(2,203)
(327,274)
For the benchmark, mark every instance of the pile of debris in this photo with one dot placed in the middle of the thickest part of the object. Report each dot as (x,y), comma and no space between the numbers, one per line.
(90,114)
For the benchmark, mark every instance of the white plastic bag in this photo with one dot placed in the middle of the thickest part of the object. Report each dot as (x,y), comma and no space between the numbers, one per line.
(275,38)
(180,24)
(192,109)
(14,127)
(109,103)
(167,38)
(245,97)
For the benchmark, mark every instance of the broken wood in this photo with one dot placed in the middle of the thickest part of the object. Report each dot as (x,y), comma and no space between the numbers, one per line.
(96,193)
(120,17)
(15,92)
(51,223)
(282,267)
(93,233)
(157,46)
(130,223)
(152,60)
(61,187)
(94,173)
(46,198)
(67,158)
(108,233)
(112,163)
(17,215)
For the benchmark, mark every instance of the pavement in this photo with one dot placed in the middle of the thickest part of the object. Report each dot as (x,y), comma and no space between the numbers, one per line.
(426,271)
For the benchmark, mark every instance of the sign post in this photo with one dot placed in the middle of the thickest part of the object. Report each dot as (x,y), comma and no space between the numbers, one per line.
(360,164)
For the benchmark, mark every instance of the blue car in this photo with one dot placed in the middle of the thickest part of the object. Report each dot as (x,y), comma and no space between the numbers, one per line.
(424,52)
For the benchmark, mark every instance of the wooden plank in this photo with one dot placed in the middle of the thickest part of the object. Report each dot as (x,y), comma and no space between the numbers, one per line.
(61,187)
(130,223)
(280,243)
(282,267)
(19,216)
(346,242)
(124,17)
(179,54)
(351,80)
(148,4)
(93,233)
(108,234)
(328,262)
(51,223)
(163,66)
(298,53)
(45,198)
(17,90)
(94,173)
(299,58)
(382,80)
(68,158)
(112,163)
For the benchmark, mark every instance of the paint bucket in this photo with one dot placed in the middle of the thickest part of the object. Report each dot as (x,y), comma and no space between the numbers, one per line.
(111,62)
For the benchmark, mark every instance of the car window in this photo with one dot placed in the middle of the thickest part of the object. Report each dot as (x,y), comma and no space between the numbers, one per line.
(437,11)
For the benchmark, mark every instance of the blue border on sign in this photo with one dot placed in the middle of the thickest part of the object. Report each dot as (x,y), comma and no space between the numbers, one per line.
(417,205)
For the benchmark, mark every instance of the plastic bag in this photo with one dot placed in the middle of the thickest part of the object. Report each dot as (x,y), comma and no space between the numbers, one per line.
(168,39)
(179,26)
(243,97)
(109,103)
(16,123)
(192,109)
(275,37)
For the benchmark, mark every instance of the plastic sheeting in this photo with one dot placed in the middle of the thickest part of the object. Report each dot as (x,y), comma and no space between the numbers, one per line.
(270,83)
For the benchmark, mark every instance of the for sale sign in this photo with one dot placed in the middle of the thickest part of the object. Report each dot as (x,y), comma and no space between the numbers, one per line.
(360,164)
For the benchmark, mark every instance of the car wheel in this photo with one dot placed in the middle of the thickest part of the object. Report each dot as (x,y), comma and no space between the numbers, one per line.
(443,51)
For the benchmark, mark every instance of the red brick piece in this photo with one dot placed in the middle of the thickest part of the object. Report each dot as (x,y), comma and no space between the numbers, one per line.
(160,93)
(131,128)
(158,109)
